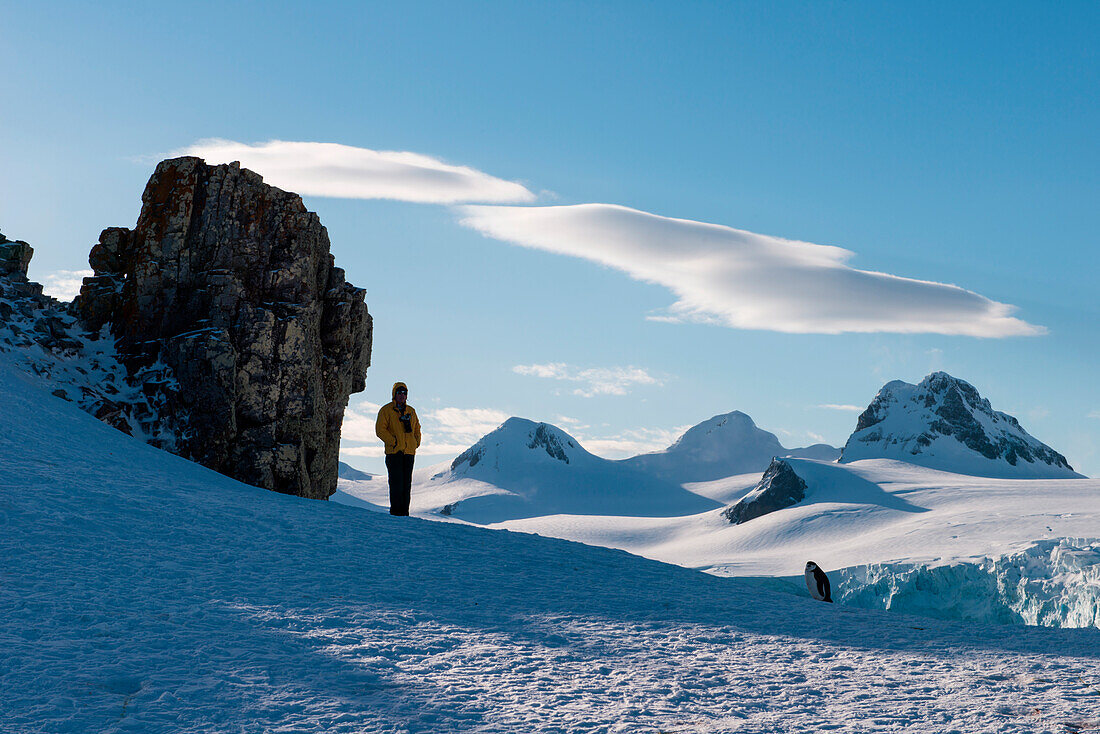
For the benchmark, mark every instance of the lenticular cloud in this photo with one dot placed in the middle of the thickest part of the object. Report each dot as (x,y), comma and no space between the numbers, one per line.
(344,171)
(748,281)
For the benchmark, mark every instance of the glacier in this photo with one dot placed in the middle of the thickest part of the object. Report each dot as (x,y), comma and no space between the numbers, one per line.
(1053,583)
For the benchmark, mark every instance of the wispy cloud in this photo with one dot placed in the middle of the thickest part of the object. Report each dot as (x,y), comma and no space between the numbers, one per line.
(835,406)
(1095,414)
(465,425)
(344,171)
(631,442)
(743,280)
(64,285)
(594,380)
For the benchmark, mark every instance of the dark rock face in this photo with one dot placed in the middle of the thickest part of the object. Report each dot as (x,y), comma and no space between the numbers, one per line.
(15,256)
(229,283)
(779,487)
(545,438)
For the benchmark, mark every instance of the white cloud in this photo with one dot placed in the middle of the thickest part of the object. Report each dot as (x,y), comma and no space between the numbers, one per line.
(835,406)
(1095,414)
(632,442)
(743,280)
(465,425)
(64,285)
(344,171)
(359,423)
(596,380)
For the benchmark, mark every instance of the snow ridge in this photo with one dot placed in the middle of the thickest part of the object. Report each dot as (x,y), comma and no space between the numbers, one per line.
(944,423)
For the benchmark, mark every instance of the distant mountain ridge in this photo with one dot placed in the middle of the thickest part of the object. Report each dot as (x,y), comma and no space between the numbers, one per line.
(944,423)
(524,469)
(722,446)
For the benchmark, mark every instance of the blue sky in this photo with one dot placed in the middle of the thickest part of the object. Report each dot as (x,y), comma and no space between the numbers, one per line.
(946,142)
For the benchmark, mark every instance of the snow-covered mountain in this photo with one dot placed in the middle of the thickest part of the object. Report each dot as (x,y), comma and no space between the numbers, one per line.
(722,446)
(346,471)
(943,423)
(525,469)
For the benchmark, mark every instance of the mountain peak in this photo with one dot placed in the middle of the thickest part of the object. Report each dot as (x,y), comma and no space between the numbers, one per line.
(721,446)
(520,439)
(944,423)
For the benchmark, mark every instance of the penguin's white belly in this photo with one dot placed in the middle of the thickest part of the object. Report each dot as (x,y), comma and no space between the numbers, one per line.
(811,584)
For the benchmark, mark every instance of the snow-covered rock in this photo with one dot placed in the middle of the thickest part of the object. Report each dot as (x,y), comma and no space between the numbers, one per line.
(780,487)
(723,446)
(526,469)
(943,423)
(42,338)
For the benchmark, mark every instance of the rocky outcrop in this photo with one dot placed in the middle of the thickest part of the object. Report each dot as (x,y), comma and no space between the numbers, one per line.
(780,487)
(40,336)
(229,283)
(15,256)
(944,423)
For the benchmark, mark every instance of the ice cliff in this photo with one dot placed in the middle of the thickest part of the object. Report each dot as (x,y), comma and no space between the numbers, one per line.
(1053,583)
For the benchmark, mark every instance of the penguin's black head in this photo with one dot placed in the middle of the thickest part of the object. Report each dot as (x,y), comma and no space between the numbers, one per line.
(810,565)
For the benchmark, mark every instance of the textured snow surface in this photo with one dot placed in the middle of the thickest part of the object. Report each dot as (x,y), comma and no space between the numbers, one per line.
(140,592)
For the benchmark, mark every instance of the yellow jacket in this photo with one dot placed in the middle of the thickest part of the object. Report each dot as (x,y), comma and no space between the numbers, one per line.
(391,430)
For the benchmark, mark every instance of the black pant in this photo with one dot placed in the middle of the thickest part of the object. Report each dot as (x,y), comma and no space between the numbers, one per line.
(400,468)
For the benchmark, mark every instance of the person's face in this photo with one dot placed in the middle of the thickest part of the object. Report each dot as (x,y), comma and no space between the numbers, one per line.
(400,396)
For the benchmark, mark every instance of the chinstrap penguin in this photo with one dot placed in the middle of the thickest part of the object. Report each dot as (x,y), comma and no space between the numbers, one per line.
(817,582)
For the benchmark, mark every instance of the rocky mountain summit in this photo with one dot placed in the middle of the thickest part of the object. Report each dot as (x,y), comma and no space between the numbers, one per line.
(944,423)
(722,446)
(239,340)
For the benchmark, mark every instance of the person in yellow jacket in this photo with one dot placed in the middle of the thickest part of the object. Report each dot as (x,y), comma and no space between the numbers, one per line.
(399,429)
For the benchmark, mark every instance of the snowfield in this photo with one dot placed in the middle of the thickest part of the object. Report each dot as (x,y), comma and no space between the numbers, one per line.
(891,535)
(140,592)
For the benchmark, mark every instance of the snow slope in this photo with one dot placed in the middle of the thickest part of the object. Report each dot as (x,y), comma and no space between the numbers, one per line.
(722,446)
(944,423)
(142,593)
